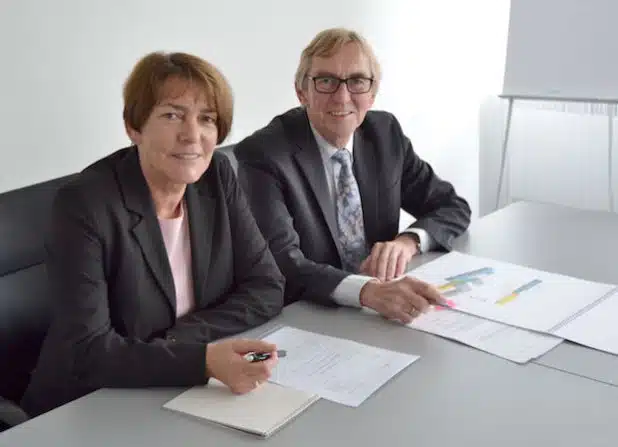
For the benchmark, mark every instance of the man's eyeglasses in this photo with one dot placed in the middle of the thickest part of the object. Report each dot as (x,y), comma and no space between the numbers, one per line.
(330,84)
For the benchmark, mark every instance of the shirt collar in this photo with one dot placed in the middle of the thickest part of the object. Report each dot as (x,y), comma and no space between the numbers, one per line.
(328,149)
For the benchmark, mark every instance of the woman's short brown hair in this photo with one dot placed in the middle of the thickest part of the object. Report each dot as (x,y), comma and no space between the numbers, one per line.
(143,88)
(326,44)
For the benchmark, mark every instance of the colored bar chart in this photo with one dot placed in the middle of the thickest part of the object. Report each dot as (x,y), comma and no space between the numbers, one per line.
(471,275)
(461,282)
(515,293)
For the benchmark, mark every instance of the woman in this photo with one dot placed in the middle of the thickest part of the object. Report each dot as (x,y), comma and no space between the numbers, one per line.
(153,252)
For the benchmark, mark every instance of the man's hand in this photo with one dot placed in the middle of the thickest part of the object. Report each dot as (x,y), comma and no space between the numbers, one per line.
(402,299)
(225,362)
(388,260)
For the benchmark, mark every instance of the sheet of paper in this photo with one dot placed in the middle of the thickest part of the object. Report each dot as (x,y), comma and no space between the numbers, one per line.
(336,369)
(509,342)
(509,293)
(596,327)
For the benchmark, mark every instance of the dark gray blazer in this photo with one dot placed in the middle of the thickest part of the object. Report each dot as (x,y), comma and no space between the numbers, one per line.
(281,170)
(114,322)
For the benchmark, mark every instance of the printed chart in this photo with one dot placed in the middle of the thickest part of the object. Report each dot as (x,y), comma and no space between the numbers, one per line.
(509,293)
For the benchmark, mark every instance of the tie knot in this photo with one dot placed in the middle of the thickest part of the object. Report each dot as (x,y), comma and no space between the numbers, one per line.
(343,156)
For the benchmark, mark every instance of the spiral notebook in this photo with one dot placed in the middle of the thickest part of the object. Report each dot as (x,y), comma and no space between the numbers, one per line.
(262,411)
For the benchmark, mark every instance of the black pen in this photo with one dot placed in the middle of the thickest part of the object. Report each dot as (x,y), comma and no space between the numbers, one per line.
(261,356)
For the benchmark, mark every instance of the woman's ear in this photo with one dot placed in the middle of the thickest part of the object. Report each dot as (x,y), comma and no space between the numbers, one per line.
(134,135)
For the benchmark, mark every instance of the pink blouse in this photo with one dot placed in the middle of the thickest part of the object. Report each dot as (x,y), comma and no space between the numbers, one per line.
(178,245)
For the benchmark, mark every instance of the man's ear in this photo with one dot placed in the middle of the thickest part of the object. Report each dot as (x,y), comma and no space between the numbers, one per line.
(373,99)
(302,96)
(134,135)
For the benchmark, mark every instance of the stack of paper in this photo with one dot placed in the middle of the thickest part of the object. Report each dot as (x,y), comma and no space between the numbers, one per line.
(262,411)
(517,312)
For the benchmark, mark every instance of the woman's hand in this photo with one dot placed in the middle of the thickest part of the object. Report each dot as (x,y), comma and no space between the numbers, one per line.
(225,362)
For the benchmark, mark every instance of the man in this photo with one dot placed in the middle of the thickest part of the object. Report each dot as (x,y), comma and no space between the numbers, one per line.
(326,183)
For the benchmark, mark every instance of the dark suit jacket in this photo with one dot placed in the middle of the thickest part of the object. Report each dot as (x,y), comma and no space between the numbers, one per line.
(281,170)
(114,322)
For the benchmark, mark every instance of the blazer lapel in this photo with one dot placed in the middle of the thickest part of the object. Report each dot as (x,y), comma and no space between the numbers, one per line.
(366,173)
(310,161)
(146,228)
(201,206)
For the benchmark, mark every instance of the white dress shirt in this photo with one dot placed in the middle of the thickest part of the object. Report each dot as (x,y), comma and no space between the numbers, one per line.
(347,293)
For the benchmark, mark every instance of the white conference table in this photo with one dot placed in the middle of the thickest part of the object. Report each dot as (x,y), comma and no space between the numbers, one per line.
(453,395)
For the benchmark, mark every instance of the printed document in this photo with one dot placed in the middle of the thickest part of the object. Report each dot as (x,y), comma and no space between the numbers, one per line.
(509,342)
(336,369)
(509,293)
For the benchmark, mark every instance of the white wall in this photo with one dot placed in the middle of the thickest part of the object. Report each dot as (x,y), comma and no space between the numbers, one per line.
(64,63)
(441,59)
(557,153)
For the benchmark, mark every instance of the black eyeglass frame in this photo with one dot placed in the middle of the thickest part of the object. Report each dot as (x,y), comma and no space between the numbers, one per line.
(340,81)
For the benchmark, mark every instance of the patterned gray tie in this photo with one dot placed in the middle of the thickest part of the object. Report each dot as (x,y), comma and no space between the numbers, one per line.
(349,212)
